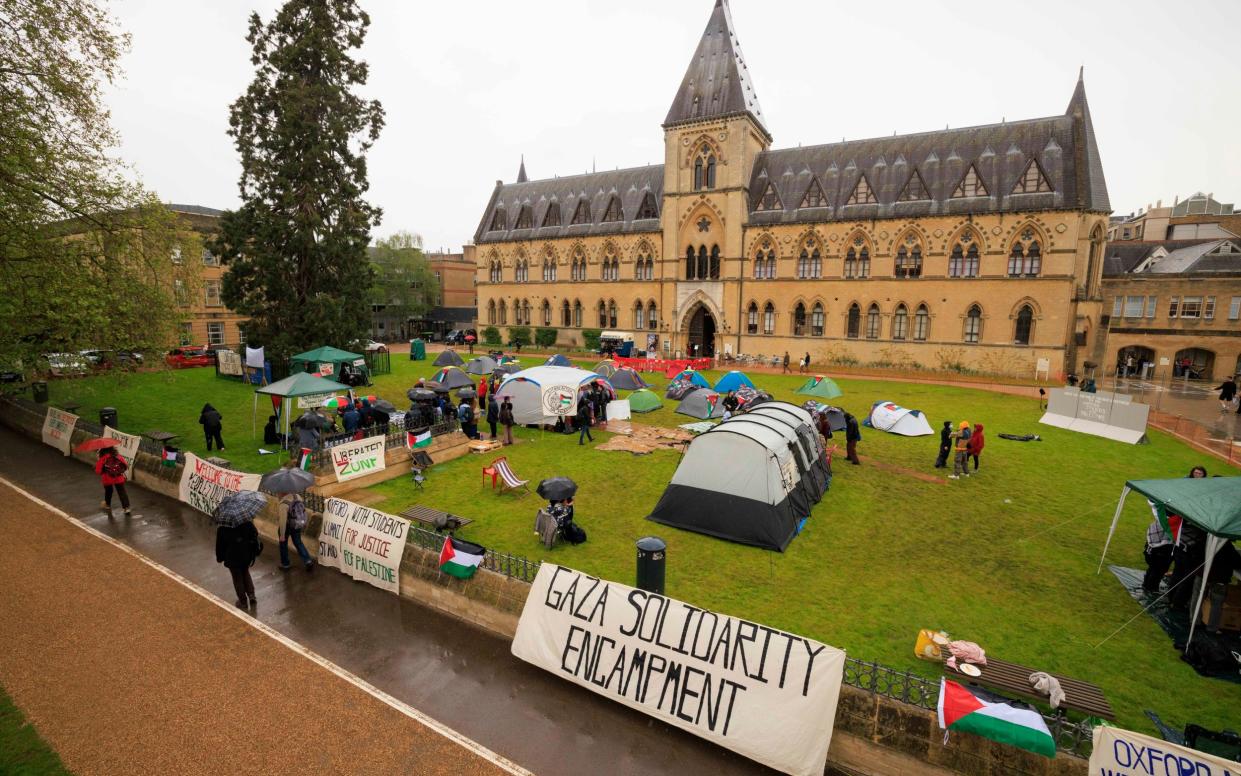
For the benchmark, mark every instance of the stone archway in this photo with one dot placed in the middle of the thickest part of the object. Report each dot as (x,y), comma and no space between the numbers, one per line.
(701,329)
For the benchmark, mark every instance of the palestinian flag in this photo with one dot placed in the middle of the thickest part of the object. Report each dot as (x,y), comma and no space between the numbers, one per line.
(303,462)
(1173,531)
(460,558)
(961,709)
(415,441)
(170,456)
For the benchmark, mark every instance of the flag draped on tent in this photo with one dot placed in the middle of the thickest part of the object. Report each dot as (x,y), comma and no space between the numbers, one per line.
(460,558)
(961,709)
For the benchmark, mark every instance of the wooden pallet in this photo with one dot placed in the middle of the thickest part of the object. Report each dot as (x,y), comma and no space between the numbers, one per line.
(481,446)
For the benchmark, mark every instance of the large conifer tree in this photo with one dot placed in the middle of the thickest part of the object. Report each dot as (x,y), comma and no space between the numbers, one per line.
(296,248)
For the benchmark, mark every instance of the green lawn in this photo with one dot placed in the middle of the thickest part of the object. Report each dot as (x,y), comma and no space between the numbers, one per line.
(22,751)
(1006,558)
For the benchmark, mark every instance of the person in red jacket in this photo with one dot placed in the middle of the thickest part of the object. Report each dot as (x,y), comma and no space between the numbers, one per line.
(482,391)
(111,468)
(976,444)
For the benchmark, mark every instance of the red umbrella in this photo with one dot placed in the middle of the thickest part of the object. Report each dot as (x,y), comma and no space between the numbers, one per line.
(94,444)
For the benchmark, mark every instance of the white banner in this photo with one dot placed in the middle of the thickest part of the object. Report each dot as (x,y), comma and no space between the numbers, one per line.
(1124,753)
(229,362)
(559,400)
(364,543)
(126,444)
(204,485)
(764,693)
(357,459)
(312,401)
(58,429)
(254,358)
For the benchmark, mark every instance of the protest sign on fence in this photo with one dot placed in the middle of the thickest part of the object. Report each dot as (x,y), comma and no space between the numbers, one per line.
(58,429)
(228,362)
(364,543)
(204,485)
(126,444)
(764,693)
(312,401)
(1120,752)
(356,459)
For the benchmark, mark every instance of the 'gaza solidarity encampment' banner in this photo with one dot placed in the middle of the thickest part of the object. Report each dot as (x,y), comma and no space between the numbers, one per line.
(356,459)
(364,543)
(126,444)
(204,485)
(58,429)
(764,693)
(1124,753)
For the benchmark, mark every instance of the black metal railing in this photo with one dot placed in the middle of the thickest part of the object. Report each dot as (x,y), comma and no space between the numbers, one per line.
(512,566)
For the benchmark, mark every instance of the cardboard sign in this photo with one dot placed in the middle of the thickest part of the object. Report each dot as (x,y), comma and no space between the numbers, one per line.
(204,485)
(1124,753)
(364,543)
(764,693)
(229,362)
(126,444)
(357,459)
(58,429)
(326,370)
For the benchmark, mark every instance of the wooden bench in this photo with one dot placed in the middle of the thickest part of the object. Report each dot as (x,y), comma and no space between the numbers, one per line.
(434,518)
(1010,677)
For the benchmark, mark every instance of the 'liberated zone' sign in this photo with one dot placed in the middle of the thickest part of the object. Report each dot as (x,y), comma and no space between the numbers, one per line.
(204,485)
(58,429)
(764,693)
(364,543)
(356,459)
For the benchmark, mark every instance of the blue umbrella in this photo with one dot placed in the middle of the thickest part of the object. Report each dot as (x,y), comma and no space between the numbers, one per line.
(239,508)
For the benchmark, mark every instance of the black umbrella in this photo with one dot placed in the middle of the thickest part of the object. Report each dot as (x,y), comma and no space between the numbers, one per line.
(507,369)
(420,394)
(557,488)
(383,405)
(287,480)
(437,387)
(467,393)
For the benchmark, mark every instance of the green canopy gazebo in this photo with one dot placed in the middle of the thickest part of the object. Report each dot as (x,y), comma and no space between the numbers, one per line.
(821,387)
(330,362)
(312,390)
(1211,503)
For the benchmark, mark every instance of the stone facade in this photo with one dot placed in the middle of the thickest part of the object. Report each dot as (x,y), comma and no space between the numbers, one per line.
(207,320)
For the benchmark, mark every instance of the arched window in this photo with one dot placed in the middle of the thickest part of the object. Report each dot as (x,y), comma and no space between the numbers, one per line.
(549,269)
(816,320)
(963,261)
(612,314)
(799,320)
(703,263)
(909,258)
(652,316)
(644,265)
(525,312)
(900,323)
(765,262)
(577,314)
(751,319)
(857,259)
(854,324)
(491,311)
(566,314)
(715,262)
(1021,329)
(547,313)
(503,316)
(803,264)
(639,315)
(922,324)
(704,169)
(1026,257)
(691,264)
(810,262)
(769,319)
(603,315)
(872,322)
(496,272)
(522,272)
(816,263)
(973,324)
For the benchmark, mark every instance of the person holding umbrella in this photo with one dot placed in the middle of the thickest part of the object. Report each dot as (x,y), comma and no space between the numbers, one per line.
(237,542)
(559,492)
(111,468)
(289,482)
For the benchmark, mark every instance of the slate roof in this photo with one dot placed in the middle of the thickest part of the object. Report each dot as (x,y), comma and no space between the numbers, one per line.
(598,188)
(717,82)
(198,210)
(1183,256)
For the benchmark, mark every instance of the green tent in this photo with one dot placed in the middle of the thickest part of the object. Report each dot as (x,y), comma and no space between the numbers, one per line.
(299,385)
(820,386)
(644,400)
(1211,503)
(330,362)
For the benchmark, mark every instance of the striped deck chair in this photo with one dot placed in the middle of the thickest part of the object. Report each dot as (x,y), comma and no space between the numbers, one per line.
(508,480)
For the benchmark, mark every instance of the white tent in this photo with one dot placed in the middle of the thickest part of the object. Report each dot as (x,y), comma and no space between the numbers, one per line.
(895,419)
(540,394)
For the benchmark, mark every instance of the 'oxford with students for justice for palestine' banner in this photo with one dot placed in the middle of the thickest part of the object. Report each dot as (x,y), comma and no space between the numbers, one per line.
(364,543)
(357,459)
(761,692)
(58,429)
(1120,752)
(204,485)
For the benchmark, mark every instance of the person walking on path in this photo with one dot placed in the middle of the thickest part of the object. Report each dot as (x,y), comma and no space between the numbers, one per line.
(584,414)
(786,362)
(111,467)
(805,363)
(1227,392)
(853,435)
(212,423)
(977,442)
(506,419)
(237,547)
(945,445)
(292,522)
(493,414)
(961,451)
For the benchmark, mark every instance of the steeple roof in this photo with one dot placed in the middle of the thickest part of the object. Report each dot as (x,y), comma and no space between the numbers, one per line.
(717,82)
(1091,188)
(521,171)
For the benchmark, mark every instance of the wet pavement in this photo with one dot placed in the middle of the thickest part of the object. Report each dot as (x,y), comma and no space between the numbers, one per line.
(463,677)
(1196,401)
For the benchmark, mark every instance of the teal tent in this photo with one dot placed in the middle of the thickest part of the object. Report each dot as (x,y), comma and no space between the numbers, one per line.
(821,387)
(332,363)
(1211,503)
(314,390)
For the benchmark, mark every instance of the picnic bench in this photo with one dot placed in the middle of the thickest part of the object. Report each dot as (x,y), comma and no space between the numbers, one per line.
(1010,677)
(434,518)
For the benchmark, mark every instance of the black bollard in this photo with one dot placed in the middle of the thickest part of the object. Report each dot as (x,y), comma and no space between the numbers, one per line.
(652,553)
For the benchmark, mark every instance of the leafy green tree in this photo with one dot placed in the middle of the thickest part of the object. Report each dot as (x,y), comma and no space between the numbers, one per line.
(491,336)
(519,335)
(404,284)
(86,255)
(296,248)
(544,337)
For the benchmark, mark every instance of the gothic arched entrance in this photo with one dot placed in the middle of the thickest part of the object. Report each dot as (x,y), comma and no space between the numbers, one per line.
(701,340)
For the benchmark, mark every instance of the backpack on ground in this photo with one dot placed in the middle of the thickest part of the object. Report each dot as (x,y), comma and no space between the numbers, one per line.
(114,466)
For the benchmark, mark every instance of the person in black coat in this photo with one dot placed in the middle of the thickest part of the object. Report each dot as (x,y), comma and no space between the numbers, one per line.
(945,445)
(212,423)
(237,547)
(853,435)
(271,433)
(493,413)
(1227,392)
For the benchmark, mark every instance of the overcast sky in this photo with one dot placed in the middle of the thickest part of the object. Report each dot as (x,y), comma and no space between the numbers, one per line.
(470,86)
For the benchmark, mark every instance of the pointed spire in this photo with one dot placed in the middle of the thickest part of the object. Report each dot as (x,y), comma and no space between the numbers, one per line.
(717,82)
(1091,187)
(521,171)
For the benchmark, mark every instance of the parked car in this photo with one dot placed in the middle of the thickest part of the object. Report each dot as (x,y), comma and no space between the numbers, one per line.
(65,364)
(368,346)
(106,359)
(457,336)
(189,355)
